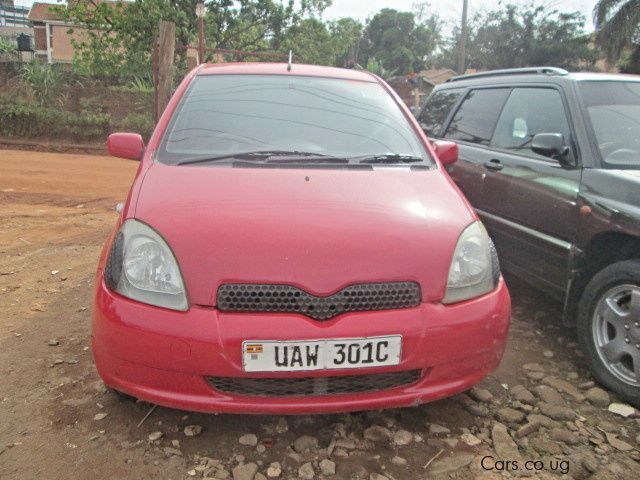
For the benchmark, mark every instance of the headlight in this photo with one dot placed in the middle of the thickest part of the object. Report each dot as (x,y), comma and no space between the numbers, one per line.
(474,269)
(141,266)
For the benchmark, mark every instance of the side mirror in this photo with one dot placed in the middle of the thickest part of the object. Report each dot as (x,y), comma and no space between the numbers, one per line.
(125,145)
(447,152)
(549,145)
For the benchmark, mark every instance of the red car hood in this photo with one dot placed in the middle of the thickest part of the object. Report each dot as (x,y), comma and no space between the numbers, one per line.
(317,229)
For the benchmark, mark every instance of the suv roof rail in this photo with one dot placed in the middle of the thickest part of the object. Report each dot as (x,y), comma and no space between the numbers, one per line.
(512,71)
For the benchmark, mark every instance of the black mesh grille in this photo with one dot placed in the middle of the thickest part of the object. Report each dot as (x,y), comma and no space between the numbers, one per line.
(288,299)
(313,386)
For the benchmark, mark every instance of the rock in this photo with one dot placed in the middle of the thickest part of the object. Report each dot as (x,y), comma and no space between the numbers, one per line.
(564,387)
(481,395)
(248,439)
(598,397)
(548,354)
(435,429)
(541,419)
(399,461)
(245,472)
(402,437)
(378,476)
(621,409)
(534,367)
(261,449)
(549,395)
(528,429)
(100,416)
(155,436)
(638,439)
(510,415)
(451,464)
(564,436)
(345,443)
(55,272)
(222,474)
(53,342)
(546,446)
(170,451)
(590,463)
(259,476)
(274,470)
(306,471)
(573,376)
(192,430)
(327,467)
(376,433)
(470,439)
(536,375)
(618,444)
(521,394)
(503,444)
(557,412)
(305,443)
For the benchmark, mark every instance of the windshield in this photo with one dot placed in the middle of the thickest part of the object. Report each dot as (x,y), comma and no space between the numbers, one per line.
(223,115)
(614,110)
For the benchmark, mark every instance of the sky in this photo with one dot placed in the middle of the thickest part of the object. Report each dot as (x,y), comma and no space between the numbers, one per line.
(449,10)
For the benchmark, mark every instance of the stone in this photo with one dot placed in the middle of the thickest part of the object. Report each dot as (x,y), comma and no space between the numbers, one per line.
(191,473)
(306,471)
(451,464)
(598,397)
(470,439)
(345,443)
(587,385)
(503,444)
(548,354)
(100,416)
(510,415)
(378,476)
(248,439)
(377,433)
(327,467)
(171,452)
(545,446)
(282,426)
(261,449)
(549,395)
(564,436)
(402,437)
(192,430)
(608,427)
(305,443)
(535,367)
(399,461)
(481,394)
(245,472)
(259,476)
(274,470)
(521,394)
(155,436)
(622,409)
(564,387)
(536,375)
(528,429)
(53,342)
(557,412)
(435,429)
(618,444)
(590,463)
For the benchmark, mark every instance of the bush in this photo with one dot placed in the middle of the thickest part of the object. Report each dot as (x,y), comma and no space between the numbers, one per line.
(23,120)
(141,123)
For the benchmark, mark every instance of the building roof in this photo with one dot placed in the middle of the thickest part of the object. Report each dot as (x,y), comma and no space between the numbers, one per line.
(437,76)
(41,12)
(265,68)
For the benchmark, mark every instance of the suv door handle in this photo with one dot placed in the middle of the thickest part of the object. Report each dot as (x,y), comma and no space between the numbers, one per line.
(493,164)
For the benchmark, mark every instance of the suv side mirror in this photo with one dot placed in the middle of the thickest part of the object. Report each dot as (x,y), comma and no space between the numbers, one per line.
(549,145)
(125,145)
(447,152)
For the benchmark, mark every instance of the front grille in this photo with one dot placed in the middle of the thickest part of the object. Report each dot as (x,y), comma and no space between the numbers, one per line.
(289,299)
(313,386)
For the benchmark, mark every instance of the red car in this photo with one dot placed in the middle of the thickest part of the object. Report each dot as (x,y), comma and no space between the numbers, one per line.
(292,244)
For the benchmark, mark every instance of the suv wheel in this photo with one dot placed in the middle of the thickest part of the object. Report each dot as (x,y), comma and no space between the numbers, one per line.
(609,328)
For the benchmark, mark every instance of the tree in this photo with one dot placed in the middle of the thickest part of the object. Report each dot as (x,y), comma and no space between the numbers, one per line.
(515,36)
(400,43)
(618,32)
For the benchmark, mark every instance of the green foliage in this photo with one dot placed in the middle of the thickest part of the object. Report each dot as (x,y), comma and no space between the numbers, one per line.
(402,41)
(141,85)
(376,67)
(43,79)
(141,123)
(7,46)
(520,36)
(618,32)
(29,121)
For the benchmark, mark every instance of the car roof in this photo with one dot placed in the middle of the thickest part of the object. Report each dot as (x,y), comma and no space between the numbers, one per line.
(263,68)
(542,75)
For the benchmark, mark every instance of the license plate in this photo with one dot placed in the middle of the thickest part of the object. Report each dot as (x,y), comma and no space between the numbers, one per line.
(307,355)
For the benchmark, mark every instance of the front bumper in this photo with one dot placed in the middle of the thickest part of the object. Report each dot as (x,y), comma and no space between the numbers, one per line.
(164,356)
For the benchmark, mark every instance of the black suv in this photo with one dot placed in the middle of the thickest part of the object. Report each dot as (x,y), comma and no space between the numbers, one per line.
(551,162)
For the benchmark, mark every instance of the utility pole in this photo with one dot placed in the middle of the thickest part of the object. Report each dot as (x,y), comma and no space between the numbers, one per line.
(200,14)
(462,46)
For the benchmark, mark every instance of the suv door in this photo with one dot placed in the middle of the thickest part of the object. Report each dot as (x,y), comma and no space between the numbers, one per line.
(472,127)
(531,200)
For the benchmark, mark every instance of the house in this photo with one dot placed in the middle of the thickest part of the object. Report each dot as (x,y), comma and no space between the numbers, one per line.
(51,33)
(12,15)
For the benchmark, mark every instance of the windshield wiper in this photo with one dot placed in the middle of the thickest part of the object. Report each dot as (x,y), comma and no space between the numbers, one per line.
(259,155)
(389,158)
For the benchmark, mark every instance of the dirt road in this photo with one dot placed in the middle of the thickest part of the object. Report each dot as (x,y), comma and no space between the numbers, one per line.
(58,422)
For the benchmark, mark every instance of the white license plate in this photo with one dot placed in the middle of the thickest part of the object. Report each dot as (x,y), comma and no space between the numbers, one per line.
(306,355)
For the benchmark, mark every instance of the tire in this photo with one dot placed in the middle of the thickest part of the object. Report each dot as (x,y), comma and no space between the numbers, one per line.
(609,332)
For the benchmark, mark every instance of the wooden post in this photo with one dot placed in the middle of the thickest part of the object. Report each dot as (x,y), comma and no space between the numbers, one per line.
(164,60)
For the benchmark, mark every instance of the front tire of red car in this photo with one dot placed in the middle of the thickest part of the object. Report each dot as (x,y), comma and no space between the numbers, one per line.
(609,328)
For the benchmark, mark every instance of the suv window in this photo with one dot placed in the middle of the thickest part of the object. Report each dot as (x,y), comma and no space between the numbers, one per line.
(477,117)
(436,109)
(530,111)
